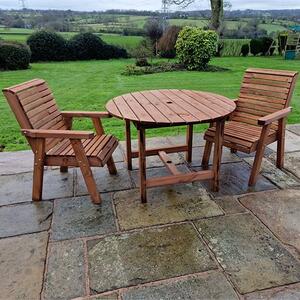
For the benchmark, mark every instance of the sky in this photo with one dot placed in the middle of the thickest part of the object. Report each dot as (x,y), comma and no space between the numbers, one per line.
(90,5)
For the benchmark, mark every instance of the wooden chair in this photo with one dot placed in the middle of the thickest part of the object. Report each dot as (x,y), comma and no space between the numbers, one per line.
(49,134)
(260,117)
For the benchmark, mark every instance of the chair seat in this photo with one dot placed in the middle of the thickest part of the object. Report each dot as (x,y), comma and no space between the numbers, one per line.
(98,149)
(241,136)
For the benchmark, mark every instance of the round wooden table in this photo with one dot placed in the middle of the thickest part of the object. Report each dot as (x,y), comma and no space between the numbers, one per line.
(165,108)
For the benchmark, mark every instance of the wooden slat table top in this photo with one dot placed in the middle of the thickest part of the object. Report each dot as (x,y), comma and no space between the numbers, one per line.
(170,107)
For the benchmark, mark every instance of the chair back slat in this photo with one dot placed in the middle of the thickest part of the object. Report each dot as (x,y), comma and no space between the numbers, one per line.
(35,107)
(263,92)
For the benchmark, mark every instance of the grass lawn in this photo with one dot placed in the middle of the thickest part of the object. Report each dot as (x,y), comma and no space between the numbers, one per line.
(88,85)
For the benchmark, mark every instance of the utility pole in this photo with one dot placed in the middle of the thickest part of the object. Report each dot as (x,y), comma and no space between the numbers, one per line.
(22,3)
(165,6)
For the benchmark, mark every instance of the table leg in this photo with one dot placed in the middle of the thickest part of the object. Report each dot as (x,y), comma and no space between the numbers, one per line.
(128,145)
(218,154)
(142,164)
(189,143)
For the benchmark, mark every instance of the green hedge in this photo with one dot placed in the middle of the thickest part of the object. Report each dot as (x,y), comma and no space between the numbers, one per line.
(14,56)
(50,46)
(232,47)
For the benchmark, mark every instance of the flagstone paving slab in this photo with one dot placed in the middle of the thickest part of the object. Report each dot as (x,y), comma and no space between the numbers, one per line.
(113,296)
(165,205)
(118,155)
(291,292)
(79,217)
(22,262)
(148,255)
(234,180)
(267,153)
(280,178)
(18,188)
(227,156)
(249,254)
(230,205)
(155,161)
(156,172)
(105,182)
(181,140)
(294,129)
(25,218)
(280,211)
(212,286)
(16,162)
(291,162)
(292,142)
(65,275)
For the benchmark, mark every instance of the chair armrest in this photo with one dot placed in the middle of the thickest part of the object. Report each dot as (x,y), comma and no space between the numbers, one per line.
(63,134)
(85,114)
(266,120)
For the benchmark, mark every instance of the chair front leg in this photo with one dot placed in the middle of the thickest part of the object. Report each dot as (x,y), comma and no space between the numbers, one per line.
(280,144)
(259,154)
(38,169)
(86,171)
(69,123)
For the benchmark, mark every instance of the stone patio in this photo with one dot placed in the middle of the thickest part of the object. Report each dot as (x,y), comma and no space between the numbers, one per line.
(185,243)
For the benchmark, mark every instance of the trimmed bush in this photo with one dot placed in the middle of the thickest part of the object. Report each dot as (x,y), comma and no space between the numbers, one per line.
(255,46)
(266,43)
(14,56)
(86,46)
(47,46)
(195,47)
(245,50)
(166,44)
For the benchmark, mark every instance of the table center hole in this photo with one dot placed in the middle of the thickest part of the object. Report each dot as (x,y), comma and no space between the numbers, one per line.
(169,161)
(169,102)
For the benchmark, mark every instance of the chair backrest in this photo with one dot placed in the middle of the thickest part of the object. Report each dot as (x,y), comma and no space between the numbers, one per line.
(264,92)
(34,106)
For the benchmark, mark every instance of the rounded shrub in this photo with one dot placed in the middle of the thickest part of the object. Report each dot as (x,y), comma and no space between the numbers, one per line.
(255,46)
(245,50)
(14,56)
(86,46)
(266,43)
(47,46)
(195,47)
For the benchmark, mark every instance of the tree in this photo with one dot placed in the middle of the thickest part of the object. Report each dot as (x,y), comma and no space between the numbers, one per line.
(154,30)
(217,11)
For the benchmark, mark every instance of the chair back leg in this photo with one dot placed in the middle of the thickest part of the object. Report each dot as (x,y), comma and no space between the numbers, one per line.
(111,166)
(206,154)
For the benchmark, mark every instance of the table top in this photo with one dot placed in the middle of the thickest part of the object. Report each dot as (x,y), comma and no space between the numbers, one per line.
(170,107)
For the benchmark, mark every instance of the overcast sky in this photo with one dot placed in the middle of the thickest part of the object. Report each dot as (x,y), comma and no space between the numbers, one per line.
(89,5)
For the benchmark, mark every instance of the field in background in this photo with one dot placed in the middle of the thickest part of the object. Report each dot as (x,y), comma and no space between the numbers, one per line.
(88,85)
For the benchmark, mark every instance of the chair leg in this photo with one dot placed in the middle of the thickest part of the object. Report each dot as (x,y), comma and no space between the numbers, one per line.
(38,170)
(63,169)
(280,153)
(86,171)
(259,156)
(111,166)
(280,144)
(189,143)
(206,154)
